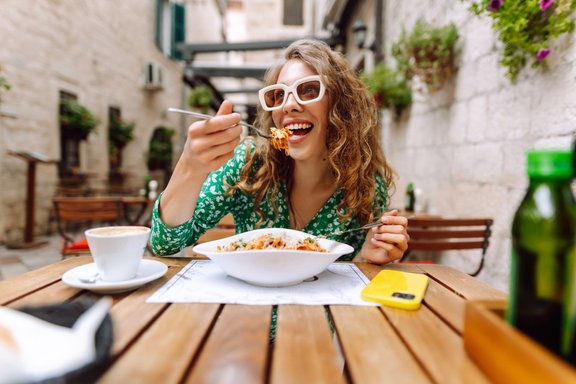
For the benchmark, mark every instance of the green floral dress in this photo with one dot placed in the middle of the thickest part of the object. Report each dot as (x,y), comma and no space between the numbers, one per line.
(213,204)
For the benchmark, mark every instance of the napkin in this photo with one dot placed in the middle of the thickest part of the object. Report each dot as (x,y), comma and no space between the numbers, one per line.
(33,349)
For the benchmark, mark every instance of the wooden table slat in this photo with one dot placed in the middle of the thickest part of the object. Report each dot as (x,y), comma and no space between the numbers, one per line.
(463,284)
(304,351)
(237,349)
(163,353)
(446,304)
(52,294)
(29,282)
(132,314)
(373,351)
(440,350)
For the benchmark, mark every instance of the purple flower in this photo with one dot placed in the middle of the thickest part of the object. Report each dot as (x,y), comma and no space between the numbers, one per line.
(544,4)
(543,53)
(495,5)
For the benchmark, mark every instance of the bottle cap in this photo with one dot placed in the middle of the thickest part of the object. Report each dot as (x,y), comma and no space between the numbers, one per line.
(556,164)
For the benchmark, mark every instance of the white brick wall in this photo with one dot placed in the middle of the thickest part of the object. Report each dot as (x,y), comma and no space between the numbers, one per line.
(97,50)
(465,146)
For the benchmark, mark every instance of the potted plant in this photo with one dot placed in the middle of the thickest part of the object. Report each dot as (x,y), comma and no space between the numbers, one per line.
(120,133)
(160,149)
(389,88)
(526,28)
(76,121)
(200,98)
(427,52)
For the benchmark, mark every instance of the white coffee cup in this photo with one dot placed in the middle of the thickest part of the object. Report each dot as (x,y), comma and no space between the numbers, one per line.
(118,250)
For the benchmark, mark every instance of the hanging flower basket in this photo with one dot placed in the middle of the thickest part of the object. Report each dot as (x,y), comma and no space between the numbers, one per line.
(76,121)
(427,52)
(120,133)
(526,29)
(389,88)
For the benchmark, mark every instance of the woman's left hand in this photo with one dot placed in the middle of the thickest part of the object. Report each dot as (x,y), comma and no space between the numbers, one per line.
(387,242)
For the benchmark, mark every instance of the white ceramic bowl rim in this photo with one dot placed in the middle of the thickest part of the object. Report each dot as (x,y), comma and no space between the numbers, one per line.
(273,267)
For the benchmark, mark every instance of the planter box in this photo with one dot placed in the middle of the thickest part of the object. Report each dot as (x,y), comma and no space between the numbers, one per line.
(505,354)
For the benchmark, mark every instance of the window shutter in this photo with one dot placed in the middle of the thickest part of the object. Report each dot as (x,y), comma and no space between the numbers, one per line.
(294,12)
(159,5)
(178,29)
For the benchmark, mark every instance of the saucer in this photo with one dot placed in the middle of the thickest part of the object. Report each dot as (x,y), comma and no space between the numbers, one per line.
(148,271)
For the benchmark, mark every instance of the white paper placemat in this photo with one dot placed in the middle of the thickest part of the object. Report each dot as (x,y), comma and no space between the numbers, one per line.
(202,281)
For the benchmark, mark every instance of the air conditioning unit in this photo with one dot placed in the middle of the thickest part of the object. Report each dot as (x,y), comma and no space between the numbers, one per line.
(153,77)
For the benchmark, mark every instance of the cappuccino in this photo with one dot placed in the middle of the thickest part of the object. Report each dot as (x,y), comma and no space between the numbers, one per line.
(117,251)
(118,231)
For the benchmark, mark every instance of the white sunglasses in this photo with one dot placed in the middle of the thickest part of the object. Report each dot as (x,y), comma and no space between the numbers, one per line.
(307,90)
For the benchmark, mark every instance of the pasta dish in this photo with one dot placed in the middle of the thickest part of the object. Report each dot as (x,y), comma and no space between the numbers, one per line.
(269,241)
(280,138)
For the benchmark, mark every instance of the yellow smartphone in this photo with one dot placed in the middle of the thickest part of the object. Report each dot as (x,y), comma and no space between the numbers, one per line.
(397,289)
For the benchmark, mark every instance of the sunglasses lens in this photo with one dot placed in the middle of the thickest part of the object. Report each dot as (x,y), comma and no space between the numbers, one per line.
(309,90)
(274,97)
(305,92)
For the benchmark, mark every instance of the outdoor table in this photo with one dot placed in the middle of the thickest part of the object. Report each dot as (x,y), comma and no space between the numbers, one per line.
(141,204)
(215,343)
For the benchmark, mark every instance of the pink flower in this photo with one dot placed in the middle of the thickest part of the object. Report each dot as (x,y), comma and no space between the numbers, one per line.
(545,4)
(543,53)
(495,5)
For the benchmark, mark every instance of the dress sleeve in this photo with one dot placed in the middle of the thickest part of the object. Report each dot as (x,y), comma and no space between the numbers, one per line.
(213,203)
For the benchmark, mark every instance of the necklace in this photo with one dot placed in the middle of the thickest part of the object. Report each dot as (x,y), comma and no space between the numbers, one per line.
(294,222)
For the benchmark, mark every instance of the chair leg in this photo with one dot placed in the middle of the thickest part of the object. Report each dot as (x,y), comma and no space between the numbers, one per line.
(480,266)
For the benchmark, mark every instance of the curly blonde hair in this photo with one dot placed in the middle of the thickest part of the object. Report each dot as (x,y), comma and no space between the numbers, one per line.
(353,144)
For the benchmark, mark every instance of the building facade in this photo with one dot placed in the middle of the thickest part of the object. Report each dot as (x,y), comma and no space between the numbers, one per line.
(465,145)
(113,58)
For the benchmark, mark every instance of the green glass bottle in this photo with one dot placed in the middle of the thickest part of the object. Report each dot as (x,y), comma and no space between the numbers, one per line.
(541,302)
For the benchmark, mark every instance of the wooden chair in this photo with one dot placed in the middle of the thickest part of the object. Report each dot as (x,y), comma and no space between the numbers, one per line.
(75,214)
(438,234)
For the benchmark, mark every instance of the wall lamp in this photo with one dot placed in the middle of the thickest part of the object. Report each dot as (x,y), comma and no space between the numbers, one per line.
(360,32)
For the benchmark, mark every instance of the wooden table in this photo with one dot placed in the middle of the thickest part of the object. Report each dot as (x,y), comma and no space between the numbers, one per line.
(213,343)
(142,205)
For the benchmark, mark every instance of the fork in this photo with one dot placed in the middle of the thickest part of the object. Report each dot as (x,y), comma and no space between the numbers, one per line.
(206,117)
(367,226)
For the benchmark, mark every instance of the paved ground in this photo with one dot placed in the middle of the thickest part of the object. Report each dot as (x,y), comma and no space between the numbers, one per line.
(14,262)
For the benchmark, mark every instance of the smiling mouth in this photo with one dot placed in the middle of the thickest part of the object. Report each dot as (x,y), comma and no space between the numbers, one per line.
(300,129)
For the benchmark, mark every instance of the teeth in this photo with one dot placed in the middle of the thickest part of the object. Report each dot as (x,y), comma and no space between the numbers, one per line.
(293,127)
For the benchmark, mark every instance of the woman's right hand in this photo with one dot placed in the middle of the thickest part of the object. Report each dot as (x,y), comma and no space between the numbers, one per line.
(210,143)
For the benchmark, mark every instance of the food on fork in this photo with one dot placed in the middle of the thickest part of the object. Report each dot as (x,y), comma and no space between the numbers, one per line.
(280,138)
(269,241)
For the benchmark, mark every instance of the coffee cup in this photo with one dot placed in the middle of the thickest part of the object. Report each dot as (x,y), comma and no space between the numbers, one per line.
(117,250)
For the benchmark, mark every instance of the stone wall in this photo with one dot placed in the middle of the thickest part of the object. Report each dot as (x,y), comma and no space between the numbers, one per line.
(97,50)
(465,146)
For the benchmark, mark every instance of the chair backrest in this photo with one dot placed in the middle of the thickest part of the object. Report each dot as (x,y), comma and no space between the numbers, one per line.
(86,210)
(438,234)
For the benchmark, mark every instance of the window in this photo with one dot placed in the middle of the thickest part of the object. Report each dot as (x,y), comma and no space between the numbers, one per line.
(170,27)
(293,12)
(69,147)
(115,155)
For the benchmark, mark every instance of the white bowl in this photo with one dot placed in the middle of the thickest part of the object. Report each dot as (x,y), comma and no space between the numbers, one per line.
(273,267)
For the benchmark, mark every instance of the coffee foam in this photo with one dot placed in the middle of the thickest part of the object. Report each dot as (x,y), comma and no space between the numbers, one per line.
(118,231)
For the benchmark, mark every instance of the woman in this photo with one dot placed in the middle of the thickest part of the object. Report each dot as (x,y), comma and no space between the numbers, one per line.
(332,177)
